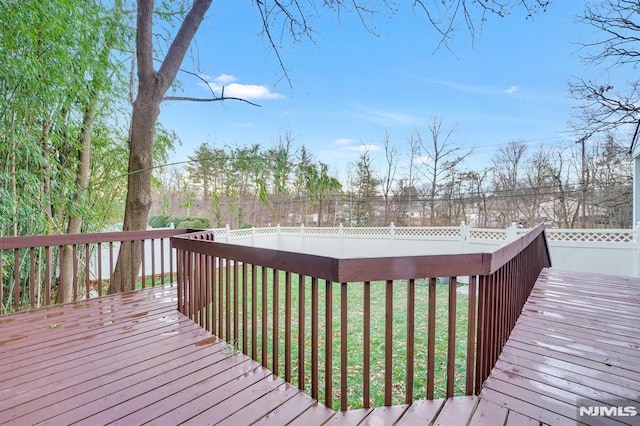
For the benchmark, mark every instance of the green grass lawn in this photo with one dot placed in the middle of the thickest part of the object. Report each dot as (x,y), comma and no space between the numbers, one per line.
(355,336)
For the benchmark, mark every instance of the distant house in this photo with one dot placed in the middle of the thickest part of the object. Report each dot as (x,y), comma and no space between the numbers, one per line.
(635,154)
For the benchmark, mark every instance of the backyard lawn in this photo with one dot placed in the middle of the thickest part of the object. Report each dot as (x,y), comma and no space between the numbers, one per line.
(355,334)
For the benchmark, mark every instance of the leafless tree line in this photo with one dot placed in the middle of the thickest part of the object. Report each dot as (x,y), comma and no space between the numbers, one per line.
(431,184)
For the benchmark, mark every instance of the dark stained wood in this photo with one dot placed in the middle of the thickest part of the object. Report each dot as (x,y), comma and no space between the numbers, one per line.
(287,326)
(300,263)
(85,238)
(132,358)
(407,267)
(507,252)
(488,413)
(431,339)
(457,411)
(517,419)
(288,411)
(301,329)
(451,336)
(314,337)
(471,334)
(388,342)
(328,344)
(421,412)
(274,322)
(411,307)
(264,329)
(369,269)
(366,331)
(575,340)
(370,416)
(344,336)
(317,414)
(351,417)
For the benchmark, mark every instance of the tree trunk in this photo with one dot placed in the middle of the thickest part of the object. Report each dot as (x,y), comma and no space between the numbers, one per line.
(152,86)
(138,203)
(65,283)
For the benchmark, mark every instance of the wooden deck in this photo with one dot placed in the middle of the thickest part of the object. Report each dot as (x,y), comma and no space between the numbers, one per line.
(577,341)
(133,359)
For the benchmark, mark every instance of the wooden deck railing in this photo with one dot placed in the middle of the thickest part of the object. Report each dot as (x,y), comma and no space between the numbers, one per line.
(30,266)
(361,331)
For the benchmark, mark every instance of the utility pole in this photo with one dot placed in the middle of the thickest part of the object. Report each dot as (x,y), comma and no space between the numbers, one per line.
(583,180)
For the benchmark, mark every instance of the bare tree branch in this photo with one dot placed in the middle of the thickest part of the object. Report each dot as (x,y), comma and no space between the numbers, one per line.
(216,99)
(616,24)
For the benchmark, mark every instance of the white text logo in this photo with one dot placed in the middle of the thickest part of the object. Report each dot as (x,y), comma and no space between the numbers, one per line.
(608,411)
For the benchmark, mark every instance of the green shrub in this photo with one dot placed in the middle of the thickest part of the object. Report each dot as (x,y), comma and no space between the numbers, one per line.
(160,221)
(195,223)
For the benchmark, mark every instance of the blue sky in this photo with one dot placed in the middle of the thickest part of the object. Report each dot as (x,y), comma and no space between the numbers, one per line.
(350,87)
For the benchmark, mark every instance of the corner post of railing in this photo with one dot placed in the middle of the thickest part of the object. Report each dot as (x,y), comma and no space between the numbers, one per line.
(512,232)
(464,237)
(392,238)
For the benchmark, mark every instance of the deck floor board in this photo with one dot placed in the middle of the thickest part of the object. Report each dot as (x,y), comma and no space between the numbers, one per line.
(132,358)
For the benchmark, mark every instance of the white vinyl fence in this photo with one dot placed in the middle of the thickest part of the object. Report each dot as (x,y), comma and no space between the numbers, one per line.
(614,252)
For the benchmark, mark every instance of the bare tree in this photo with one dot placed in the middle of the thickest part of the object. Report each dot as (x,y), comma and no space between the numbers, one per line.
(507,169)
(388,175)
(610,174)
(478,195)
(537,186)
(440,156)
(607,106)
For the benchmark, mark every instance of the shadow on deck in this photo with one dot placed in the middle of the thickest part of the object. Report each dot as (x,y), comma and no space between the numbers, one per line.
(132,358)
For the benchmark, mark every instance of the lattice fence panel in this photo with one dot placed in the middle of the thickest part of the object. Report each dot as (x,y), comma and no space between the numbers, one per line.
(429,232)
(592,236)
(488,234)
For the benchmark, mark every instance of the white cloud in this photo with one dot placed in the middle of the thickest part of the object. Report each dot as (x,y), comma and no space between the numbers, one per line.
(362,148)
(511,90)
(345,141)
(353,145)
(223,79)
(226,83)
(470,88)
